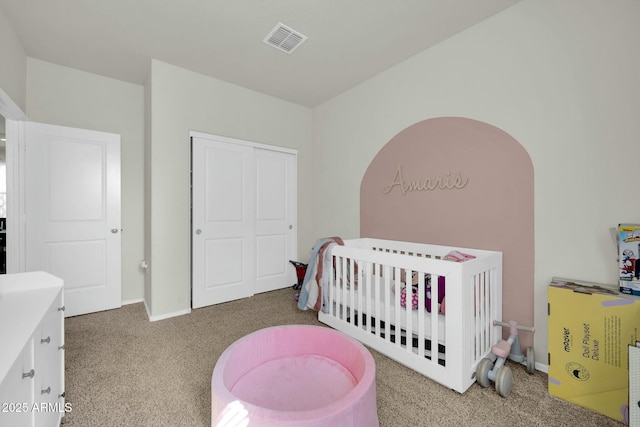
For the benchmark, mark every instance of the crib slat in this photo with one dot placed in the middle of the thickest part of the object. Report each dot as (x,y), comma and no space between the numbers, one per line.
(331,291)
(387,305)
(364,294)
(338,301)
(479,317)
(408,303)
(484,318)
(351,286)
(487,312)
(483,299)
(496,310)
(396,302)
(486,293)
(421,310)
(435,319)
(377,303)
(341,300)
(345,288)
(360,287)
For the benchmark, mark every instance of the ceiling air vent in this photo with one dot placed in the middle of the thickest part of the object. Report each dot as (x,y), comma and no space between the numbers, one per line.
(284,38)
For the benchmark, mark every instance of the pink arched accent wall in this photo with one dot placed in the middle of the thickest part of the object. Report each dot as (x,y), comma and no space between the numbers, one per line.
(458,182)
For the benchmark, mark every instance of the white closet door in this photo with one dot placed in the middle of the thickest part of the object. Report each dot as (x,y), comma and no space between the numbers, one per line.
(243,219)
(222,229)
(275,219)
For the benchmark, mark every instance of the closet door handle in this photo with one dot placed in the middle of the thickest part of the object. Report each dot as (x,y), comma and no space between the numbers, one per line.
(29,374)
(46,390)
(198,231)
(47,340)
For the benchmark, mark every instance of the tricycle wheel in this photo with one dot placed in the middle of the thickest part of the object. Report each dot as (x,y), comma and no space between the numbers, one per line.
(504,381)
(482,372)
(531,360)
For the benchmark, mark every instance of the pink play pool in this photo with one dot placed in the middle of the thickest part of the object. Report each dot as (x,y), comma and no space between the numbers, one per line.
(294,375)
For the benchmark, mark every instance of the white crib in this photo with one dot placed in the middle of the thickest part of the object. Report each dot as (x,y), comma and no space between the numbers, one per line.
(362,299)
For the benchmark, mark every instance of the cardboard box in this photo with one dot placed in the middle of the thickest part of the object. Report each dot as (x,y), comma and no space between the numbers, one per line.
(590,328)
(629,254)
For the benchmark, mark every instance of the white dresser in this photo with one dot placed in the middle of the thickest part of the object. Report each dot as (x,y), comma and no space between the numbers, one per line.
(31,350)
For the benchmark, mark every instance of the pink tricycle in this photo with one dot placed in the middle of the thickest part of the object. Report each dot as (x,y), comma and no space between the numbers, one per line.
(493,368)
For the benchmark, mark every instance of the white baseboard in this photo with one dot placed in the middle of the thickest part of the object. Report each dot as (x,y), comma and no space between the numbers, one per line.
(146,308)
(166,315)
(538,367)
(132,301)
(542,368)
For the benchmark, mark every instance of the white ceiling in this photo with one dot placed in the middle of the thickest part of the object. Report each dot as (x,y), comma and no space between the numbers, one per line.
(349,41)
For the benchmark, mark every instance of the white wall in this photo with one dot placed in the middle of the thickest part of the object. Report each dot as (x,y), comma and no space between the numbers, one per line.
(68,97)
(561,78)
(182,101)
(13,66)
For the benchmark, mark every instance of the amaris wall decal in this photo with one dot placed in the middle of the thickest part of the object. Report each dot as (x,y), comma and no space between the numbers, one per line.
(447,182)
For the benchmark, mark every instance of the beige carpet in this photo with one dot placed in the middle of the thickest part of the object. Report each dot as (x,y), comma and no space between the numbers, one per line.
(122,370)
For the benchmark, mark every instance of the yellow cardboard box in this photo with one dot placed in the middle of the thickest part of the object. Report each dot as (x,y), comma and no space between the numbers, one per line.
(590,329)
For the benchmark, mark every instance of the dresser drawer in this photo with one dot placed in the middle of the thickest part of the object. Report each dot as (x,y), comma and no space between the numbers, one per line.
(48,393)
(16,397)
(48,338)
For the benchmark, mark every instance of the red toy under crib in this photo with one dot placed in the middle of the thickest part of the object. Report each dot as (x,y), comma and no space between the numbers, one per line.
(301,271)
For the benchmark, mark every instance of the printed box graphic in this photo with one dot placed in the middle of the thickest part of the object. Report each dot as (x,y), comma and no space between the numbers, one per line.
(629,258)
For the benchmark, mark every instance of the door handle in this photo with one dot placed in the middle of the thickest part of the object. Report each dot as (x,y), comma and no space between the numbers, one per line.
(114,230)
(198,231)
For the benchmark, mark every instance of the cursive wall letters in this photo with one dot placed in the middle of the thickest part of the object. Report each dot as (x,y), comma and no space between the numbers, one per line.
(448,182)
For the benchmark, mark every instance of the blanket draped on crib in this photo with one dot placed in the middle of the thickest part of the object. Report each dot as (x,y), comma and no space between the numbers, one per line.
(311,295)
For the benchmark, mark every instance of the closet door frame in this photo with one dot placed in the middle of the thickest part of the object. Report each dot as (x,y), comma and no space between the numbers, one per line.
(206,251)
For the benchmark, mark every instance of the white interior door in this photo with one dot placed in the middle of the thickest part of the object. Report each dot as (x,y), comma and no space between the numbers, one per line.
(222,222)
(72,213)
(243,219)
(275,219)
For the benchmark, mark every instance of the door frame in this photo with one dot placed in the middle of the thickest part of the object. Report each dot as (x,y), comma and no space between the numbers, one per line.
(14,121)
(252,144)
(195,134)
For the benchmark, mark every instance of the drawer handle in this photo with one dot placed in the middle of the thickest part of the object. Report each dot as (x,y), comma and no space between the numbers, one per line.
(29,374)
(47,340)
(46,390)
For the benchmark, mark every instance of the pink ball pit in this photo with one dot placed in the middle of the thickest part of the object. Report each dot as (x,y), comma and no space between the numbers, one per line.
(294,375)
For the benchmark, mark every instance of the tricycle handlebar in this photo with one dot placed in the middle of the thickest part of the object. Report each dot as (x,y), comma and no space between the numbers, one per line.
(512,324)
